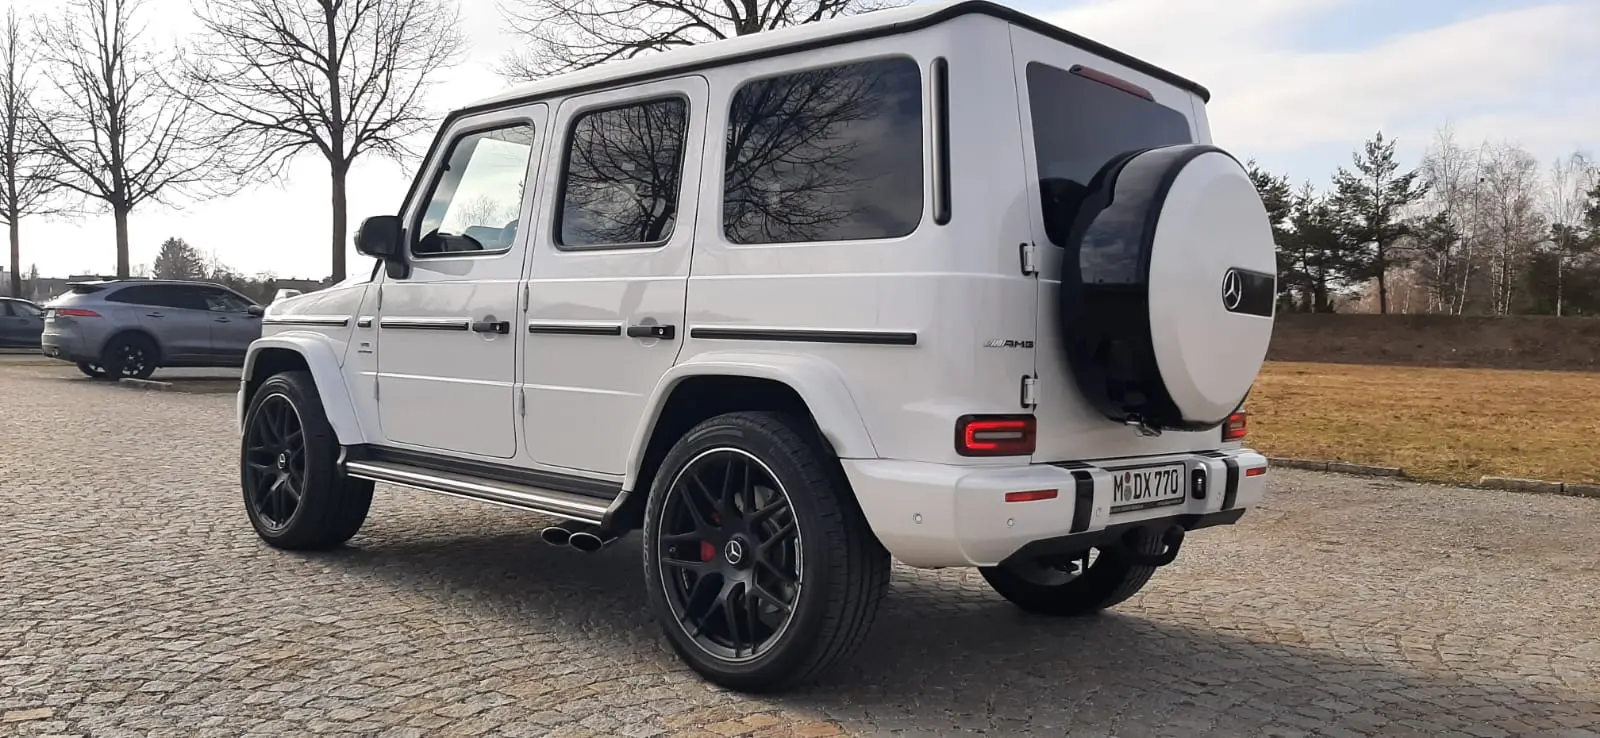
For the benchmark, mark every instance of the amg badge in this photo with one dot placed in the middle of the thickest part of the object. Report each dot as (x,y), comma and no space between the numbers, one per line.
(1007,343)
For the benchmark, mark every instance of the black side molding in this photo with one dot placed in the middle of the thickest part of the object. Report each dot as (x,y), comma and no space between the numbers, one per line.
(574,329)
(875,338)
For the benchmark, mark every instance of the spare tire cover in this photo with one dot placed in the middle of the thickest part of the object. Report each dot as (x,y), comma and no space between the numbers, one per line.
(1168,288)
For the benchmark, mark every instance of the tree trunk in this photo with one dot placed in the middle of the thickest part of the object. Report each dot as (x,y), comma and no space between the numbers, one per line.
(1559,263)
(1383,282)
(339,217)
(120,215)
(16,258)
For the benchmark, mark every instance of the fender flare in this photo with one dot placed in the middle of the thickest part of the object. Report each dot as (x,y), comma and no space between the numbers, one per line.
(820,385)
(323,364)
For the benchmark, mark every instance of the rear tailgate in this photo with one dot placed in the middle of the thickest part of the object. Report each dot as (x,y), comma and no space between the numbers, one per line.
(1076,120)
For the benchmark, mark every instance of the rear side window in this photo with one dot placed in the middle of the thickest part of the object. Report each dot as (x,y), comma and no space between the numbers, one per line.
(830,154)
(160,295)
(624,169)
(1079,126)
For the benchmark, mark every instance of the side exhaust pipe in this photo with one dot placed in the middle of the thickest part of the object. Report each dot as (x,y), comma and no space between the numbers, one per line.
(556,535)
(589,541)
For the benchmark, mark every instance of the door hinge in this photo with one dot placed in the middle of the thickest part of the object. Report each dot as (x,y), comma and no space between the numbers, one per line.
(374,386)
(1030,392)
(380,297)
(522,403)
(524,297)
(1029,255)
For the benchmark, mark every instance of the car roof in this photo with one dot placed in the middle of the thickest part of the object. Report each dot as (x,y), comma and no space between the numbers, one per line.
(799,38)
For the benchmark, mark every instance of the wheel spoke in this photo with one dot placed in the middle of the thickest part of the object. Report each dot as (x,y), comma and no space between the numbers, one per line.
(696,592)
(761,593)
(729,614)
(725,499)
(787,576)
(781,535)
(777,505)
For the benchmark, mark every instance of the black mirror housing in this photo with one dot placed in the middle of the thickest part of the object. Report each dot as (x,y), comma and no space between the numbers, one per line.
(379,237)
(255,310)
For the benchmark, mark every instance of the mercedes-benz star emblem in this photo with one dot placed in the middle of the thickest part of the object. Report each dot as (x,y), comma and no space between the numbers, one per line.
(734,552)
(1232,289)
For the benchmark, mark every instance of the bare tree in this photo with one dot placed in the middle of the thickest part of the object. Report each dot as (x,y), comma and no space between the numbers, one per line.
(120,134)
(339,77)
(27,175)
(576,34)
(1514,223)
(1566,199)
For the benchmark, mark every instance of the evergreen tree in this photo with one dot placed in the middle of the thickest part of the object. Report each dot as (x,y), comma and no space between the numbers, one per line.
(1372,201)
(179,260)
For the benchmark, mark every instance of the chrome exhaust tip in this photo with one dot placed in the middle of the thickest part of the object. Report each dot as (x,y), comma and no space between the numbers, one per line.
(556,535)
(588,542)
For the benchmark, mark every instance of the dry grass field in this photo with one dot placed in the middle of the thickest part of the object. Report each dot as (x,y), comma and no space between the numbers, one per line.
(1452,425)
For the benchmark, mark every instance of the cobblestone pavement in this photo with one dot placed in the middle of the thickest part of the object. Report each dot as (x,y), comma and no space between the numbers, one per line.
(134,600)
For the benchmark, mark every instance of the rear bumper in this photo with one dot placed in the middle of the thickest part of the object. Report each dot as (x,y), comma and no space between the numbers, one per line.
(933,515)
(64,346)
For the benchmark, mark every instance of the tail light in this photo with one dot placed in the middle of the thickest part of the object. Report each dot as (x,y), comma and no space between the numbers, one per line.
(77,313)
(1237,425)
(996,435)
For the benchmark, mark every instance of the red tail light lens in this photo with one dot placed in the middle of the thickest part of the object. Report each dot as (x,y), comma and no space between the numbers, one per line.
(77,313)
(996,435)
(1236,427)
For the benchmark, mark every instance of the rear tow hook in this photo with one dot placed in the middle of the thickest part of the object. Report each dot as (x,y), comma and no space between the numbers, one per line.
(1171,539)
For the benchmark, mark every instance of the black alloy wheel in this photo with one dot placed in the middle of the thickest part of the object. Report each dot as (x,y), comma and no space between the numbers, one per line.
(730,554)
(275,462)
(131,358)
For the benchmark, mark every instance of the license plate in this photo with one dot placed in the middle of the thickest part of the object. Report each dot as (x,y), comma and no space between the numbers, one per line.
(1149,486)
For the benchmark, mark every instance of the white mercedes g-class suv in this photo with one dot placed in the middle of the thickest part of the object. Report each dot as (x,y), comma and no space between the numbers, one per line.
(944,283)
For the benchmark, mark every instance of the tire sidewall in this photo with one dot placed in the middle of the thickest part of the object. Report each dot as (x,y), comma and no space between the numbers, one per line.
(111,362)
(320,457)
(815,544)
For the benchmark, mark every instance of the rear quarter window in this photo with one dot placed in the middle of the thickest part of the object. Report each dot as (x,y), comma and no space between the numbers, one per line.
(1079,126)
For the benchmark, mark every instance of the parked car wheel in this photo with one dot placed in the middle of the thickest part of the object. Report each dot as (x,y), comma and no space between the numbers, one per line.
(130,356)
(91,370)
(758,564)
(294,494)
(1097,580)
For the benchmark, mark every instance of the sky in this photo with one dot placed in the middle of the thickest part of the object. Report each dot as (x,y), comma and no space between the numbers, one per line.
(1296,85)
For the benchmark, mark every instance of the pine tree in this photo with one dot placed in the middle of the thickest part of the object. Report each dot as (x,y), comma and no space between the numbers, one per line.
(179,260)
(1372,202)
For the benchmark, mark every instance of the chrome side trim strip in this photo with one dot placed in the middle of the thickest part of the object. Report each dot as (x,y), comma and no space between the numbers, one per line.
(426,324)
(332,321)
(528,499)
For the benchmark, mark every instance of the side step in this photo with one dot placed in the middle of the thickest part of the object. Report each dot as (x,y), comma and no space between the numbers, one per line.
(567,505)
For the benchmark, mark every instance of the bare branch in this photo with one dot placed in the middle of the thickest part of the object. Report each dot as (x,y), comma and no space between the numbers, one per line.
(566,35)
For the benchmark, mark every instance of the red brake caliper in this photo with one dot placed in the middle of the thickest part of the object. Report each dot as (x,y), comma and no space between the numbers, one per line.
(707,551)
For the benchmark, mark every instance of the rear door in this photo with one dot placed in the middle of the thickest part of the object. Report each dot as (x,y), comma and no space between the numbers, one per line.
(1073,125)
(610,268)
(175,314)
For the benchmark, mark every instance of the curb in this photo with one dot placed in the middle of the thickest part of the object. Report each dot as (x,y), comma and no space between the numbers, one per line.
(149,384)
(1511,484)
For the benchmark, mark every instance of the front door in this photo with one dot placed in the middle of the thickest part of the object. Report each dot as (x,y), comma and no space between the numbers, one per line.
(176,314)
(446,341)
(233,328)
(610,268)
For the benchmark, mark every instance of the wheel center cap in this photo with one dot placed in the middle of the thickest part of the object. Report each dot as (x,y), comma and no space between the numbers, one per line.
(283,461)
(734,552)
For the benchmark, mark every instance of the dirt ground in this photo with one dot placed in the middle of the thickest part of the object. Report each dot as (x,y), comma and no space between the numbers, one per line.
(1562,344)
(1441,424)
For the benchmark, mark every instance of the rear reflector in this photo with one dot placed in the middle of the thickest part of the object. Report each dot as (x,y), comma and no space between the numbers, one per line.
(1237,425)
(996,435)
(1032,495)
(77,313)
(1256,472)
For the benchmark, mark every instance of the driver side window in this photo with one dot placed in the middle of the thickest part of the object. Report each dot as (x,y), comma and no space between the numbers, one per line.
(477,196)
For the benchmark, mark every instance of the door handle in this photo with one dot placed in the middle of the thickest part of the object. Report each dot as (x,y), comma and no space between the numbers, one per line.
(501,327)
(663,332)
(222,320)
(154,315)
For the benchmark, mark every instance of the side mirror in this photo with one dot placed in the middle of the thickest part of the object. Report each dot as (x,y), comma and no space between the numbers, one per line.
(285,294)
(255,310)
(379,237)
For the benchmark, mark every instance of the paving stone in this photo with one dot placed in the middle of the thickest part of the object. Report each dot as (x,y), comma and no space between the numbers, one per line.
(138,602)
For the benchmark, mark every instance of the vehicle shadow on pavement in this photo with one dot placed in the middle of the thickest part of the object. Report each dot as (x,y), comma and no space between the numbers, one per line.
(947,655)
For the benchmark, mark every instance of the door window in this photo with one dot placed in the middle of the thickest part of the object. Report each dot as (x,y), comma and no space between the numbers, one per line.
(223,301)
(624,169)
(476,199)
(160,295)
(24,310)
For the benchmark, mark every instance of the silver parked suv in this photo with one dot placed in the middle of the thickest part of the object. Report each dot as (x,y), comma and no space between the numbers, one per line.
(128,328)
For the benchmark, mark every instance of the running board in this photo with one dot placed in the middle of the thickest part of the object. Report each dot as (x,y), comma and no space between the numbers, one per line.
(523,497)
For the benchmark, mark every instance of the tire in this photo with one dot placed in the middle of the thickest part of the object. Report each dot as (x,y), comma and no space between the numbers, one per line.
(1037,587)
(296,500)
(833,572)
(91,370)
(130,356)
